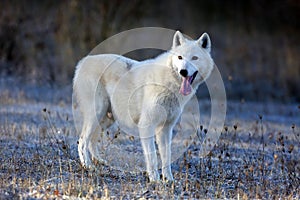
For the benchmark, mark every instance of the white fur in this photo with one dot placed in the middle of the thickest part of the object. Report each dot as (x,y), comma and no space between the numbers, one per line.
(142,96)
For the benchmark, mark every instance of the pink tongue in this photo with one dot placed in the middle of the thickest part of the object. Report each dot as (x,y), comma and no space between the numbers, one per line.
(185,88)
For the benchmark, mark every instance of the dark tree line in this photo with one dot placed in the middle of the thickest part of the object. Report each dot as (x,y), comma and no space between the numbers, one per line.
(256,44)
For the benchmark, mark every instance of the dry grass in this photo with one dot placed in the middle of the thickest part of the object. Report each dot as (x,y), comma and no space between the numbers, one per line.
(257,156)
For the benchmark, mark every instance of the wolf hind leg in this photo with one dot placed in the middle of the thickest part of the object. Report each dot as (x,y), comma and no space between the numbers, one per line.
(89,128)
(87,147)
(97,137)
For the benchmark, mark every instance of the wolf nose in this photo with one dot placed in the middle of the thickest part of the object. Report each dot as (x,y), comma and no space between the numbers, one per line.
(183,72)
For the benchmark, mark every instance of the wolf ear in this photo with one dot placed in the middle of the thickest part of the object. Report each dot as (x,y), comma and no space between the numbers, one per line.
(178,39)
(204,42)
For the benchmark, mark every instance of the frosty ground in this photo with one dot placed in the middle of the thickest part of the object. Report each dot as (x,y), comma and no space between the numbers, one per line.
(257,155)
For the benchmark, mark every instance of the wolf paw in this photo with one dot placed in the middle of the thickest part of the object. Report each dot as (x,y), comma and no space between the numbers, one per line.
(87,164)
(160,184)
(99,161)
(168,183)
(85,160)
(167,175)
(153,176)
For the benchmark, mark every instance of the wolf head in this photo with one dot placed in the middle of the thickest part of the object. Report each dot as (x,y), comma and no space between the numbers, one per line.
(191,60)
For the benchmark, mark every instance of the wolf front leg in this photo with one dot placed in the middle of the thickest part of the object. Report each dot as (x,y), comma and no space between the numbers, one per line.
(148,145)
(164,140)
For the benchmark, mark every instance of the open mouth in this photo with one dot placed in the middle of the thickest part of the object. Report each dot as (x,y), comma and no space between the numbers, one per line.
(191,79)
(186,88)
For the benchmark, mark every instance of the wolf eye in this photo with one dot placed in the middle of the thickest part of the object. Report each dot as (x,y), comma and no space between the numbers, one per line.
(180,57)
(194,58)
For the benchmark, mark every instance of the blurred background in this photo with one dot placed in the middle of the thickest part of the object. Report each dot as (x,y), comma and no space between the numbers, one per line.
(255,44)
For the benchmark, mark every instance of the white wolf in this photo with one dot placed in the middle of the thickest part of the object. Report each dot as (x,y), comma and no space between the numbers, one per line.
(146,96)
